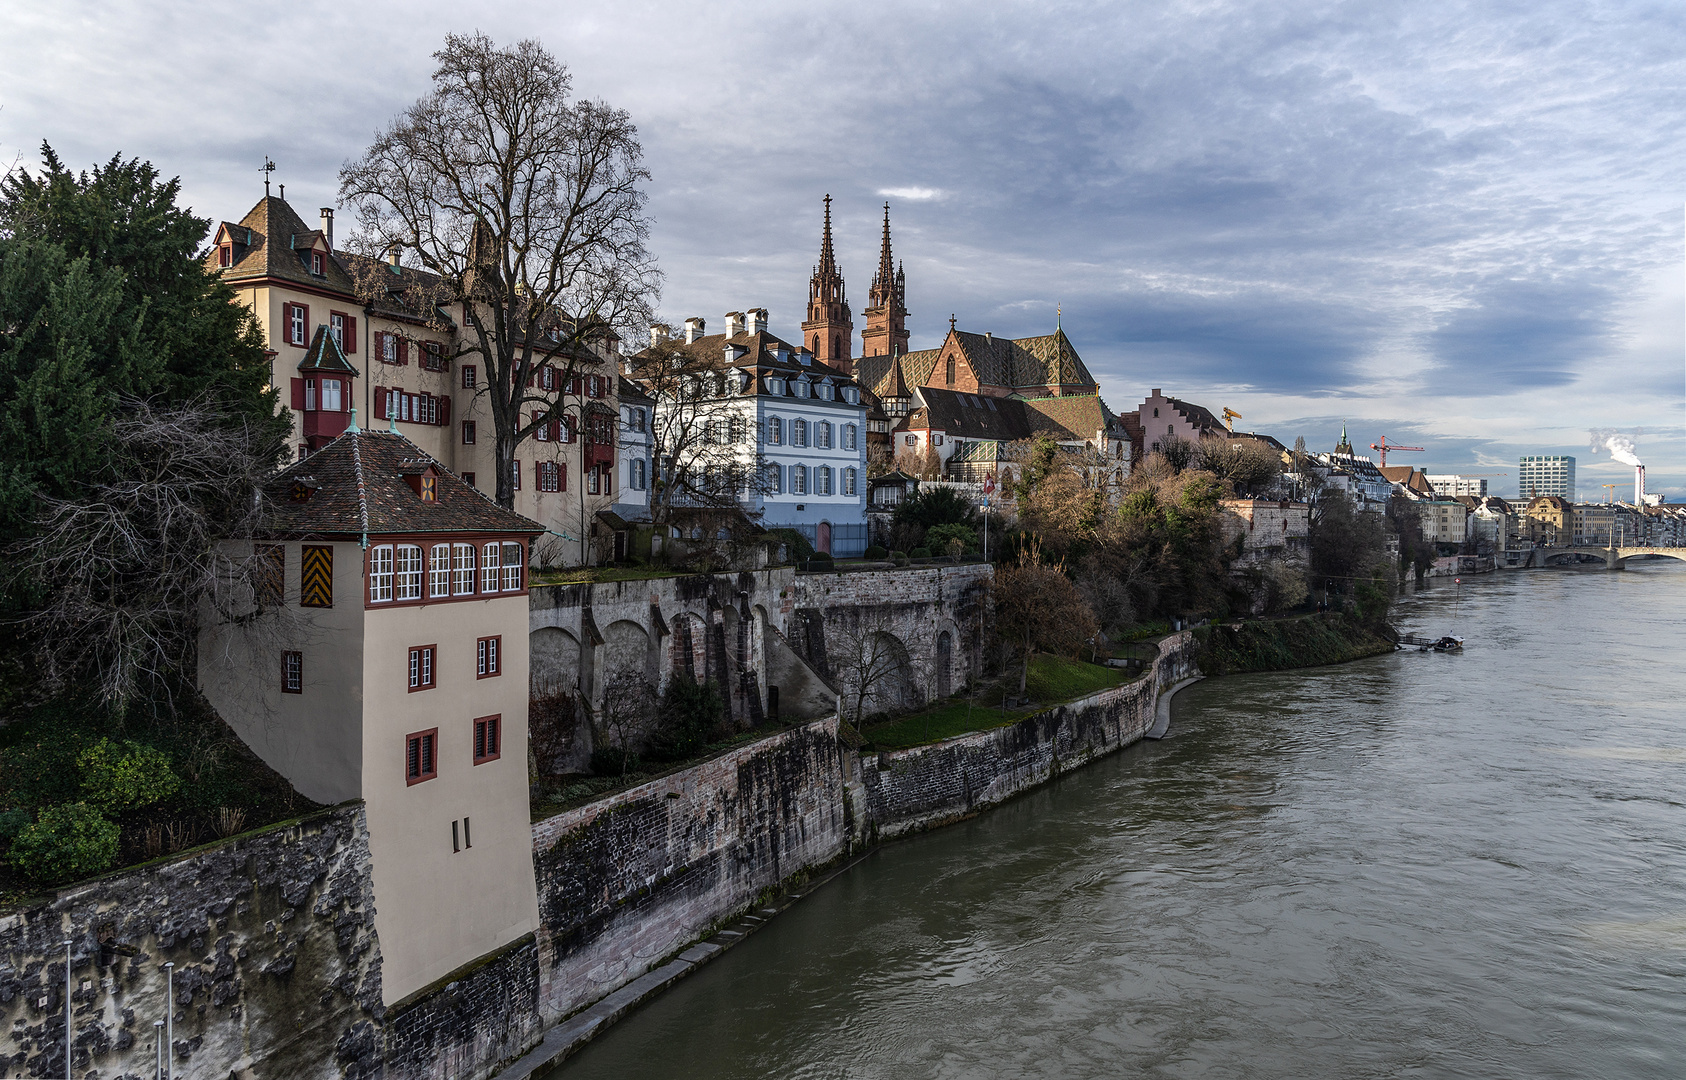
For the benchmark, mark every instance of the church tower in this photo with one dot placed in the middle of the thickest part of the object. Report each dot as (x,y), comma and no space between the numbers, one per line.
(829,330)
(886,314)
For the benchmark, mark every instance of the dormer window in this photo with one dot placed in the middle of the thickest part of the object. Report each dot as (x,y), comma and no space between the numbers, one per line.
(225,255)
(423,480)
(825,391)
(801,387)
(316,263)
(775,387)
(429,488)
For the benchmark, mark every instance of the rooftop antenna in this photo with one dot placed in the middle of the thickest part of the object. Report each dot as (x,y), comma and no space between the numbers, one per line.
(268,167)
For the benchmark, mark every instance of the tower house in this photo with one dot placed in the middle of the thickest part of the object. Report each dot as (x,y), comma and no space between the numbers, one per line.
(886,312)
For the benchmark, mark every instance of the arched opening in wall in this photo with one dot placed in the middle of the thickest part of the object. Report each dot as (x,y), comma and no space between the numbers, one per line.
(945,660)
(888,668)
(553,666)
(822,538)
(556,733)
(626,653)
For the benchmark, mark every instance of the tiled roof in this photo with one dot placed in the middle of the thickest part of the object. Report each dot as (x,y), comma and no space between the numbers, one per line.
(969,416)
(1068,419)
(1197,415)
(884,377)
(360,490)
(324,354)
(630,392)
(276,237)
(759,355)
(1023,363)
(398,280)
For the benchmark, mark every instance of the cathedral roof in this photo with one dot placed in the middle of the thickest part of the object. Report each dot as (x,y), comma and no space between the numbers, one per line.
(1023,363)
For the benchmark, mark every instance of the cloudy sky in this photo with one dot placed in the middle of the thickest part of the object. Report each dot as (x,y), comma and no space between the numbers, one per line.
(1459,226)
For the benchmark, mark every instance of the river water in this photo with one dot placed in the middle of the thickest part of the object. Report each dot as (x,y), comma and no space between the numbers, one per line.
(1409,866)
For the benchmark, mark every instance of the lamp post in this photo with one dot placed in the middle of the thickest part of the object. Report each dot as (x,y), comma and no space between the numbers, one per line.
(158,1049)
(67,1009)
(169,1019)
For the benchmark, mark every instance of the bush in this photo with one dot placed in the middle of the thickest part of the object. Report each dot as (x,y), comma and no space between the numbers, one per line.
(874,552)
(821,561)
(12,822)
(951,539)
(898,555)
(921,553)
(125,776)
(690,714)
(796,545)
(611,761)
(69,842)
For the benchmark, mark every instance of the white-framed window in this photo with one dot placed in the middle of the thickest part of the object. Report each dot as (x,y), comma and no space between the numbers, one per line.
(801,387)
(735,429)
(462,569)
(439,571)
(489,568)
(937,439)
(331,401)
(316,263)
(775,479)
(775,431)
(799,433)
(913,440)
(389,348)
(310,395)
(295,324)
(822,434)
(639,479)
(799,479)
(512,566)
(380,574)
(407,577)
(849,436)
(822,480)
(336,327)
(486,656)
(826,391)
(849,481)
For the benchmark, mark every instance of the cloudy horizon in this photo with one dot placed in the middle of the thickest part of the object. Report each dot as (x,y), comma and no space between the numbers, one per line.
(1460,228)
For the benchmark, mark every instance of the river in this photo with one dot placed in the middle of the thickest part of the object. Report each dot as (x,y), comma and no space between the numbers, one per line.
(1409,866)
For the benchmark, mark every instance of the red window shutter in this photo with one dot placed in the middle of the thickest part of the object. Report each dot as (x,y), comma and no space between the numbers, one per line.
(350,335)
(574,386)
(562,476)
(306,309)
(444,412)
(403,352)
(538,476)
(298,395)
(556,431)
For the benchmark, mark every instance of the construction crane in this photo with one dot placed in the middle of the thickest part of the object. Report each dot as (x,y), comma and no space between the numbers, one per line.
(1383,447)
(1611,498)
(1230,417)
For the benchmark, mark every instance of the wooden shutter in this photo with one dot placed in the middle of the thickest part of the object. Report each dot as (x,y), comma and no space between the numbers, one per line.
(298,395)
(305,319)
(316,577)
(444,412)
(350,335)
(403,352)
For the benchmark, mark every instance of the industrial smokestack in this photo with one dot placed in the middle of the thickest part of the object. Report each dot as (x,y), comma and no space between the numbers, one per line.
(1639,485)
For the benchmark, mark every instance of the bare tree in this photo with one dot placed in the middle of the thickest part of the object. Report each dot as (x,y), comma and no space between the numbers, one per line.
(1037,608)
(1248,465)
(630,704)
(525,209)
(122,574)
(701,433)
(868,660)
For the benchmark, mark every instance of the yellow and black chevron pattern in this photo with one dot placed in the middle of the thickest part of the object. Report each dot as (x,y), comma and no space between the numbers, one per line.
(316,577)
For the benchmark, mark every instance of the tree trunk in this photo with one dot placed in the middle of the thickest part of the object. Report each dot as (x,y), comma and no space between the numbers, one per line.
(1024,672)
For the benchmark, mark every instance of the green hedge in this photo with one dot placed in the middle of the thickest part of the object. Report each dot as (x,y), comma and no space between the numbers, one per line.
(1282,644)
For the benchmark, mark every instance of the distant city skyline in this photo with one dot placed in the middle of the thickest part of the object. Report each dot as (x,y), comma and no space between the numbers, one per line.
(1461,230)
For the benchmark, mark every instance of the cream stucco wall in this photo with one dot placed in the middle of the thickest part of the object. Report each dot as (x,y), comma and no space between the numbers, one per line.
(438,909)
(311,738)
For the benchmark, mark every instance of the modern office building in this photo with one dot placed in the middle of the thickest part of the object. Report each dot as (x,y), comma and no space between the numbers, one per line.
(1455,485)
(1546,475)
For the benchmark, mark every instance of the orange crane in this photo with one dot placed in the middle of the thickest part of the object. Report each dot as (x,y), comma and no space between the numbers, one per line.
(1384,448)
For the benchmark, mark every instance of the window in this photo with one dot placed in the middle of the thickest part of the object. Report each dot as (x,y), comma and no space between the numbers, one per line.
(421,666)
(801,387)
(799,433)
(822,434)
(734,429)
(950,371)
(638,477)
(775,430)
(388,345)
(913,440)
(225,255)
(433,356)
(799,479)
(468,433)
(470,373)
(937,439)
(380,574)
(421,758)
(775,480)
(331,396)
(515,474)
(269,575)
(594,481)
(462,569)
(512,566)
(489,568)
(486,659)
(336,328)
(295,320)
(468,478)
(486,740)
(549,476)
(824,391)
(541,430)
(849,434)
(565,429)
(593,386)
(407,581)
(439,568)
(316,263)
(638,420)
(292,673)
(849,481)
(822,480)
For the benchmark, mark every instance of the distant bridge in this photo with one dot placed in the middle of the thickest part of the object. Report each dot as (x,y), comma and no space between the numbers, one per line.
(1613,558)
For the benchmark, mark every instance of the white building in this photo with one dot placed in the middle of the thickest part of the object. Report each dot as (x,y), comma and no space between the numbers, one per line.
(797,424)
(1546,475)
(1455,485)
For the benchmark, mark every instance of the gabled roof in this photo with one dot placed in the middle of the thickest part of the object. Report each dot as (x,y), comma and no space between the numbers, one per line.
(358,488)
(630,392)
(970,416)
(325,354)
(1198,416)
(1069,419)
(271,241)
(758,353)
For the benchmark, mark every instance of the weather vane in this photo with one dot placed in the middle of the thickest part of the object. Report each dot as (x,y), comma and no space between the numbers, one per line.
(268,167)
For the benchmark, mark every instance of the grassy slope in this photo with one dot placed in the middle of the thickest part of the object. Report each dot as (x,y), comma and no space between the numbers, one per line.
(1052,680)
(1280,644)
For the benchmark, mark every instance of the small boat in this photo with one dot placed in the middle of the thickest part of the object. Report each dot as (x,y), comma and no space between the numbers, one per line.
(1449,643)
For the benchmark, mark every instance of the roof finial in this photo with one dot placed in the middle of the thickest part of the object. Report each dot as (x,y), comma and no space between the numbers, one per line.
(352,428)
(268,167)
(951,322)
(1059,310)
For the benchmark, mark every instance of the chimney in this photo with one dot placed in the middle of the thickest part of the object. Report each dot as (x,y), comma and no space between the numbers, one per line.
(1156,393)
(734,323)
(757,320)
(1639,485)
(658,334)
(392,258)
(694,329)
(328,225)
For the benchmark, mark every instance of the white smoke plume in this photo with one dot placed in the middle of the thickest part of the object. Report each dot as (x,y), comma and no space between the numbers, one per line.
(1620,445)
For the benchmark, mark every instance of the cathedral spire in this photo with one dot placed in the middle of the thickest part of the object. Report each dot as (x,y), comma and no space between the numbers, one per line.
(886,313)
(829,329)
(886,265)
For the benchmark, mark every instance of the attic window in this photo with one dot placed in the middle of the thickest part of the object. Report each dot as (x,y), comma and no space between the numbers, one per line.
(316,263)
(225,255)
(303,488)
(427,488)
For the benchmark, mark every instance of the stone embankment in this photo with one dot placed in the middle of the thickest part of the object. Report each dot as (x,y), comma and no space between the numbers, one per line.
(1283,644)
(278,966)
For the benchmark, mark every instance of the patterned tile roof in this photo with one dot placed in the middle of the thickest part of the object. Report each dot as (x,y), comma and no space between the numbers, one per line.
(1069,419)
(271,241)
(357,487)
(1024,363)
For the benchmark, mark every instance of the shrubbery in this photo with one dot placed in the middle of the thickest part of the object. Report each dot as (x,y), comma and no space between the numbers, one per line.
(874,552)
(921,553)
(67,842)
(691,712)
